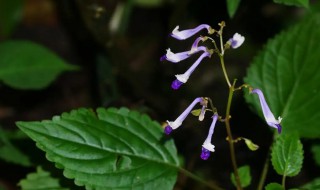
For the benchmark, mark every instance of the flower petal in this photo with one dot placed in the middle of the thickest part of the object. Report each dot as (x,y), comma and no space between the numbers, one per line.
(184,34)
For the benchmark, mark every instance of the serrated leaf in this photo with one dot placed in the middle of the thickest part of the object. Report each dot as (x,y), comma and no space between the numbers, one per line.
(232,6)
(314,184)
(250,144)
(274,186)
(298,3)
(27,65)
(40,180)
(244,174)
(287,155)
(316,153)
(116,148)
(287,71)
(10,153)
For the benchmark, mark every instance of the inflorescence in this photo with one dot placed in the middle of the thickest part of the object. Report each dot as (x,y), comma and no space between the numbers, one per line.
(234,42)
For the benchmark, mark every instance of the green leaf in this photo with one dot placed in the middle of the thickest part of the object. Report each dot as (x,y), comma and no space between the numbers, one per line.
(232,6)
(40,180)
(298,3)
(287,155)
(26,65)
(316,153)
(244,174)
(274,186)
(10,153)
(148,3)
(196,112)
(114,149)
(287,71)
(10,15)
(314,184)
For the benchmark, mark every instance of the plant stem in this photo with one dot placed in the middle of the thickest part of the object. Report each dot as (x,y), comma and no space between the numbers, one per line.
(231,145)
(284,181)
(264,172)
(225,72)
(196,178)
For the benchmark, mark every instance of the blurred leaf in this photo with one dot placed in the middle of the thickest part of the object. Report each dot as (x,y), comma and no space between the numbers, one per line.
(287,155)
(40,180)
(274,186)
(10,15)
(287,71)
(298,3)
(148,3)
(244,174)
(114,149)
(314,184)
(26,65)
(232,6)
(10,153)
(250,144)
(316,153)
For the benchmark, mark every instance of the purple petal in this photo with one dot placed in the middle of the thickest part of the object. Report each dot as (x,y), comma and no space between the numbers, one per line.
(205,154)
(163,58)
(184,34)
(167,130)
(176,84)
(279,128)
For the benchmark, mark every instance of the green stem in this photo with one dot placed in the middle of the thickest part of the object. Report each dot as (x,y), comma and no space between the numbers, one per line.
(264,172)
(225,71)
(284,182)
(196,178)
(231,145)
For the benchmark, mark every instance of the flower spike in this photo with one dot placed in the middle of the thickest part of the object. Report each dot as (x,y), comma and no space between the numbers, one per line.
(177,57)
(207,146)
(268,115)
(236,41)
(172,125)
(184,34)
(183,78)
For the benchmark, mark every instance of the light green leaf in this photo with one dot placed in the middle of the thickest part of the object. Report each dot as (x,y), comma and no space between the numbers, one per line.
(298,3)
(287,155)
(232,6)
(316,153)
(10,15)
(40,180)
(274,186)
(26,65)
(148,3)
(196,112)
(287,71)
(244,174)
(114,149)
(314,184)
(10,153)
(250,144)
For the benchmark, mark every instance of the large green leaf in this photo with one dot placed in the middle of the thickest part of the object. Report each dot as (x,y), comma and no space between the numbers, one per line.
(26,65)
(287,71)
(115,149)
(314,184)
(298,3)
(232,6)
(40,180)
(287,155)
(244,175)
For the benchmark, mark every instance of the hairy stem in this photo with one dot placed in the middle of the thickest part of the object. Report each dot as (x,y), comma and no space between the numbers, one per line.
(231,145)
(264,172)
(225,72)
(284,181)
(200,180)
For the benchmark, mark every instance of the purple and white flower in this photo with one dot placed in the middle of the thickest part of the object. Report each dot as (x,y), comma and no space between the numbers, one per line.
(172,125)
(268,115)
(207,146)
(177,57)
(183,78)
(236,41)
(184,34)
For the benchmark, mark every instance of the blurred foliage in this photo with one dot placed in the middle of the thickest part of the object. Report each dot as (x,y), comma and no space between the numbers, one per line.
(10,15)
